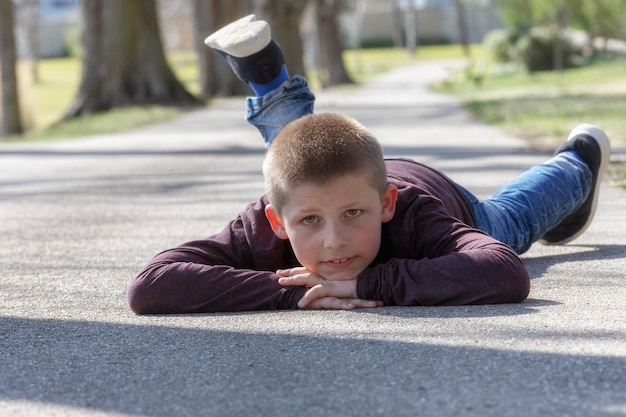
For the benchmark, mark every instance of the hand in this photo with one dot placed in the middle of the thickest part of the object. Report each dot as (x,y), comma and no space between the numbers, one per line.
(323,294)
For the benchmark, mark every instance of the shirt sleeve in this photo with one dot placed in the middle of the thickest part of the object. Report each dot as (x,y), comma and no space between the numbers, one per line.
(222,273)
(435,259)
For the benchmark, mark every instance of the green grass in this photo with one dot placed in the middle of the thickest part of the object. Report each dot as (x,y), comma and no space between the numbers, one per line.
(45,102)
(364,64)
(116,120)
(543,107)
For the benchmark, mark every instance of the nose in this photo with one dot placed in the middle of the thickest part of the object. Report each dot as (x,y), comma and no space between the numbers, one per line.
(335,237)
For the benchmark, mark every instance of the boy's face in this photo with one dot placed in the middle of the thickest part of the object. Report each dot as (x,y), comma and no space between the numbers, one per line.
(335,229)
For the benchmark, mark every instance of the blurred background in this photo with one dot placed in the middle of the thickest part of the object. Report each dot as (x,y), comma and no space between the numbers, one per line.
(79,67)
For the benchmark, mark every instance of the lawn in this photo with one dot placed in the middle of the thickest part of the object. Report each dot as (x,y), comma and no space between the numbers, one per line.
(45,102)
(543,107)
(540,107)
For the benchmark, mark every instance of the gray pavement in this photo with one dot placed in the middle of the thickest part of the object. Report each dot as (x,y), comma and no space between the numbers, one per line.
(80,217)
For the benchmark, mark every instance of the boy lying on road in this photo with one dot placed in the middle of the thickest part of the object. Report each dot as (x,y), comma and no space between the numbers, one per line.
(340,227)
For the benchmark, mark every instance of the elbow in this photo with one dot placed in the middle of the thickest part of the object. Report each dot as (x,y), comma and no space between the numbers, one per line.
(143,293)
(521,288)
(137,296)
(517,287)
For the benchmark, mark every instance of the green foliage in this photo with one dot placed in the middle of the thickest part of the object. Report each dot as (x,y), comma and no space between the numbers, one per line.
(500,44)
(605,18)
(72,45)
(538,49)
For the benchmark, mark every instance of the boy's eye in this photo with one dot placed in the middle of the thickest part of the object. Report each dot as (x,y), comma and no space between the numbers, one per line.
(310,220)
(353,212)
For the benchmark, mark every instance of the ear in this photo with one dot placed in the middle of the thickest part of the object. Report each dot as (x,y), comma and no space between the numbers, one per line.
(275,222)
(389,203)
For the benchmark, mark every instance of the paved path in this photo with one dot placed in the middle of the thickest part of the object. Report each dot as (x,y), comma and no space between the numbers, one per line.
(79,218)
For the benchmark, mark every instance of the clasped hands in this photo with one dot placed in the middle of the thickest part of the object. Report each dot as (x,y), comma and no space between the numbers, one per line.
(324,294)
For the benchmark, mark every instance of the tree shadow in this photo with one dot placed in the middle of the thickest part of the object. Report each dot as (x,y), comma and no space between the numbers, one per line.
(152,370)
(538,265)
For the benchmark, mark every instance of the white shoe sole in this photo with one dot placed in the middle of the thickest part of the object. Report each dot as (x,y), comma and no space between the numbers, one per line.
(241,38)
(605,152)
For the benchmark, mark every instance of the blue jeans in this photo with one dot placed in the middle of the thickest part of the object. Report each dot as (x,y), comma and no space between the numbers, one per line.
(522,211)
(271,112)
(518,214)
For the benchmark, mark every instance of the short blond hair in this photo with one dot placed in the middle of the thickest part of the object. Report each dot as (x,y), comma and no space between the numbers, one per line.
(317,149)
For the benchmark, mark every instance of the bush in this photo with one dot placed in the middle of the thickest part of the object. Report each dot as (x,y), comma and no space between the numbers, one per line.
(500,45)
(535,49)
(72,46)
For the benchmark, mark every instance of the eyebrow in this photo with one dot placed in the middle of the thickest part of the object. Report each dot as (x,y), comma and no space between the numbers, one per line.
(313,210)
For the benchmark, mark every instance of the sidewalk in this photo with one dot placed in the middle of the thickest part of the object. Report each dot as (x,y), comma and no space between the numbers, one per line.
(79,218)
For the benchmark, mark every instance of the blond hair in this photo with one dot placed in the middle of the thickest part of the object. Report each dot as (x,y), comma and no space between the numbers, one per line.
(317,149)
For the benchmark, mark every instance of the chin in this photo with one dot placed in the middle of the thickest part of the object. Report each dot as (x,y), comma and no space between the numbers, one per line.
(341,276)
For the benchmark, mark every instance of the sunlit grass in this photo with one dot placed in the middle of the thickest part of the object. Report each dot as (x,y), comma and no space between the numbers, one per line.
(46,101)
(545,106)
(112,121)
(364,64)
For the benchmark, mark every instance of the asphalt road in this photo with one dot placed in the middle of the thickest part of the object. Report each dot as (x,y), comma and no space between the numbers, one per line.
(79,218)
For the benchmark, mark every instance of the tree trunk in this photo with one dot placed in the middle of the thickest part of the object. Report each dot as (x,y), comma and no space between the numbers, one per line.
(11,119)
(461,15)
(329,39)
(203,26)
(123,60)
(284,17)
(410,26)
(216,77)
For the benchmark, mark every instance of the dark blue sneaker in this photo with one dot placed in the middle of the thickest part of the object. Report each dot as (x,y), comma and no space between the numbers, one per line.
(247,45)
(593,146)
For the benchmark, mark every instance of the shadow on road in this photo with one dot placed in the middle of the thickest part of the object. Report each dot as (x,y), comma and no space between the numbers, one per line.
(187,371)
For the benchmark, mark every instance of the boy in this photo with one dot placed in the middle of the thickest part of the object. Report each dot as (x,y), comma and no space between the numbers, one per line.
(340,227)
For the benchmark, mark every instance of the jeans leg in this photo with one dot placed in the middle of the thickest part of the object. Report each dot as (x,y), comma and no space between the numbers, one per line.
(522,211)
(271,112)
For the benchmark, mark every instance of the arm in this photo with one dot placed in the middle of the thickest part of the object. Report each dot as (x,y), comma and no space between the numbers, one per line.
(437,260)
(230,271)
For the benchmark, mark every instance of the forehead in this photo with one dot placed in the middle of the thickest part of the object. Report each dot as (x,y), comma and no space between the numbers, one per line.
(342,192)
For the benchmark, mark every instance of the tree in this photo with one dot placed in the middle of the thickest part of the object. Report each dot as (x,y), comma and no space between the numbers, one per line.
(461,15)
(599,18)
(216,77)
(284,16)
(329,41)
(28,21)
(123,61)
(203,25)
(11,118)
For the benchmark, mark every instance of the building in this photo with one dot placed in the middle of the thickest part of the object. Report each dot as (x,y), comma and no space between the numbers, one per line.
(53,22)
(436,21)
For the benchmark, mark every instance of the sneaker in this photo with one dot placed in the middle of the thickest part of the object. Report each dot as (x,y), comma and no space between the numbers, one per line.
(593,146)
(247,45)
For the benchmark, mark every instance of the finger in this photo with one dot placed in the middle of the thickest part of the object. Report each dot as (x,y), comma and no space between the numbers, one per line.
(316,292)
(303,280)
(291,271)
(366,303)
(330,303)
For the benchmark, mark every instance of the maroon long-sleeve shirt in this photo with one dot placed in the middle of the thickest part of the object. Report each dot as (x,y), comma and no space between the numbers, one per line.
(430,254)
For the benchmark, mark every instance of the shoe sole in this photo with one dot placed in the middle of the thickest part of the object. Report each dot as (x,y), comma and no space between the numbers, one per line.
(241,38)
(605,151)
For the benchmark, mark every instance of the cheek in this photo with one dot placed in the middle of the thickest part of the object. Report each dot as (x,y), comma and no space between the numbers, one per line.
(369,239)
(302,245)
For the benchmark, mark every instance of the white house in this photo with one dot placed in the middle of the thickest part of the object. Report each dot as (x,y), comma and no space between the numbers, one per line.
(52,21)
(436,21)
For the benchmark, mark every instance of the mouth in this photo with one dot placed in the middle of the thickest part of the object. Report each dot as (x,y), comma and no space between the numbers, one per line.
(339,262)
